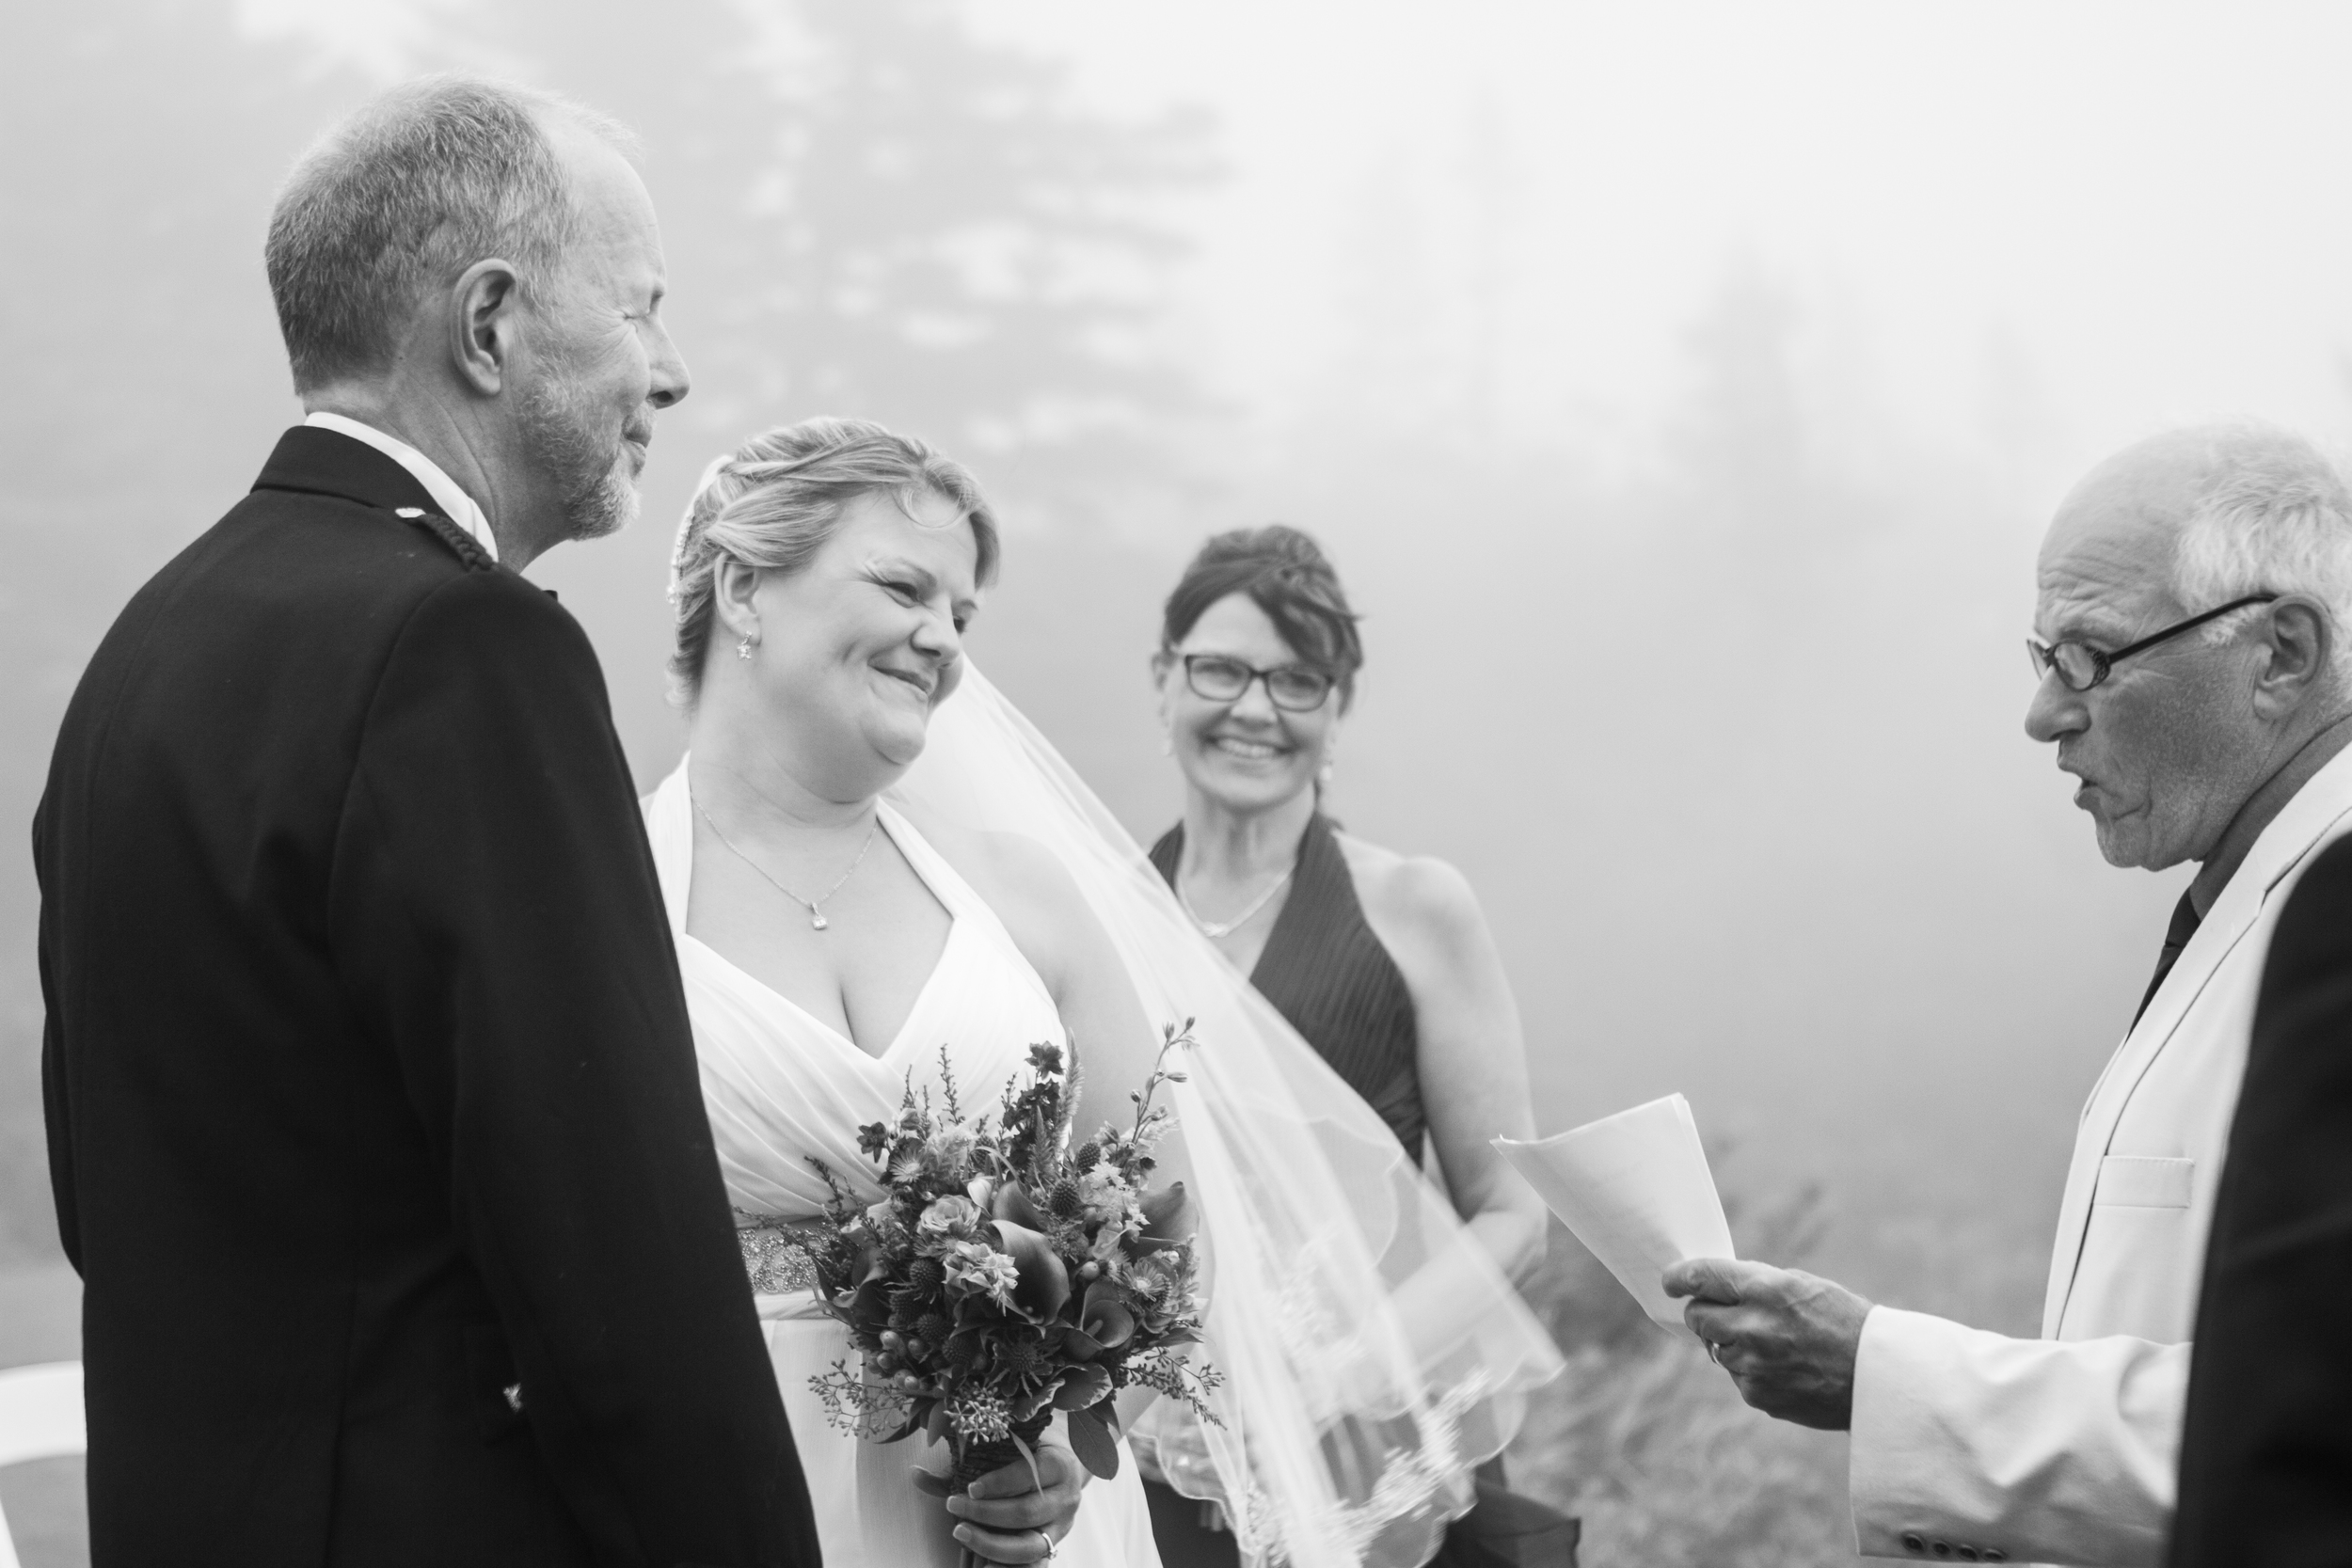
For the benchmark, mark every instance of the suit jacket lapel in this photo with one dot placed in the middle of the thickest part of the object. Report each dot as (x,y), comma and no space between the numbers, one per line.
(2308,821)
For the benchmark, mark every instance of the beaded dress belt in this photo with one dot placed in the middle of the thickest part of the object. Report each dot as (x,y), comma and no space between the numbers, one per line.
(776,1259)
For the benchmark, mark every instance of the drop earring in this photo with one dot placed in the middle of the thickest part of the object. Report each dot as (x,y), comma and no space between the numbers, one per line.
(744,649)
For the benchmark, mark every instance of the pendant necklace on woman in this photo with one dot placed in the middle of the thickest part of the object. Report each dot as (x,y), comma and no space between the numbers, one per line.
(816,916)
(1215,929)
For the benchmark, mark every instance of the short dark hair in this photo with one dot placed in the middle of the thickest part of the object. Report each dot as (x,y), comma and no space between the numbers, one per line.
(1285,574)
(401,198)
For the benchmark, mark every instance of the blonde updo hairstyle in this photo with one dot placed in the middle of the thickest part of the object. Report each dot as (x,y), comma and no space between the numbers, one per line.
(774,500)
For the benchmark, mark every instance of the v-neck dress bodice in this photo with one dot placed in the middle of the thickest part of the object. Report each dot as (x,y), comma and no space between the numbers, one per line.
(784,1088)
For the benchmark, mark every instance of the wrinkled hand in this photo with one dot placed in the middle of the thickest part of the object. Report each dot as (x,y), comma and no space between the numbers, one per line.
(1004,1511)
(1787,1338)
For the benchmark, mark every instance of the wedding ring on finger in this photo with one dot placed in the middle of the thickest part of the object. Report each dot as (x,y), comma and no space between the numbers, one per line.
(1048,1539)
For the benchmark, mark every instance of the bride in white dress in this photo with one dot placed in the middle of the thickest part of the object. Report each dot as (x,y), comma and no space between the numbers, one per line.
(829,951)
(836,946)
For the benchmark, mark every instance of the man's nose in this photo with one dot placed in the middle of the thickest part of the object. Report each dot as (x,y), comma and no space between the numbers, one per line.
(2055,712)
(672,380)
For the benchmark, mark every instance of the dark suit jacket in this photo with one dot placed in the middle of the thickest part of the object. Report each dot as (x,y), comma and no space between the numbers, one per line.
(2266,1455)
(371,1094)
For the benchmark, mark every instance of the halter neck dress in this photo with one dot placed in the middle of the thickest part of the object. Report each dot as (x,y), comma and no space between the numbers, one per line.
(1326,969)
(783,1088)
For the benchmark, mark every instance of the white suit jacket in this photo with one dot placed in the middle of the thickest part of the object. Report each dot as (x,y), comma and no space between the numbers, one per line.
(1972,1447)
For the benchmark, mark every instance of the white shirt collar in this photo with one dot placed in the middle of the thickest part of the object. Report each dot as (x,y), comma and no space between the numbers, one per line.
(457,506)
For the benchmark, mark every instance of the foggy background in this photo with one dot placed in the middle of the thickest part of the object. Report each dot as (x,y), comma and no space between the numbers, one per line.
(1679,388)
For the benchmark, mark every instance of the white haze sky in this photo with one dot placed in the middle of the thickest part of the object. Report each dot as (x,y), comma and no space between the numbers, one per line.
(2139,209)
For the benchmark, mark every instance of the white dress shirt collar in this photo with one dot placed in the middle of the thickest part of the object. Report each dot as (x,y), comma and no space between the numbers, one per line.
(457,506)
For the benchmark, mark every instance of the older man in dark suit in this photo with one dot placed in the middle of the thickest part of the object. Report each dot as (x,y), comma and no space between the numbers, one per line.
(375,1122)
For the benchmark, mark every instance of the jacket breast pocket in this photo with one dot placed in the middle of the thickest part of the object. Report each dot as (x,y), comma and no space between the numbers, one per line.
(2143,1182)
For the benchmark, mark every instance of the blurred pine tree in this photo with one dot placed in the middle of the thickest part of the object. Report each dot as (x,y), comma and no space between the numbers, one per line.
(872,210)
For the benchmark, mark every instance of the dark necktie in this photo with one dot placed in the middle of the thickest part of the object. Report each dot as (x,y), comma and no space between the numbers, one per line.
(2176,935)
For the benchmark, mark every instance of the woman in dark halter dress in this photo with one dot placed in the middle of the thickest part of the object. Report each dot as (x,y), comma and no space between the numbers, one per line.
(1382,962)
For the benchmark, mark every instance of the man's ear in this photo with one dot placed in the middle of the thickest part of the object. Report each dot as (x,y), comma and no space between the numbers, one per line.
(485,325)
(2301,642)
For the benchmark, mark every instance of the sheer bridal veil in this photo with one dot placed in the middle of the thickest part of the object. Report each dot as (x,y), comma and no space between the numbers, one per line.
(1372,1352)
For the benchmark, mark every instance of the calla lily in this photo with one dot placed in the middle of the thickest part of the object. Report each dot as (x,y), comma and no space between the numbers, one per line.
(871,1303)
(1167,1220)
(1105,1323)
(1044,1283)
(1082,1386)
(1013,1203)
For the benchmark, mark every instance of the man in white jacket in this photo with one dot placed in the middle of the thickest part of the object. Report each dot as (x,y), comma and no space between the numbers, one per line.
(2195,595)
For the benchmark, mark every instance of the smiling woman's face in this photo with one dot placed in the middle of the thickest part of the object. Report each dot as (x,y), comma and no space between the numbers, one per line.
(1246,755)
(857,649)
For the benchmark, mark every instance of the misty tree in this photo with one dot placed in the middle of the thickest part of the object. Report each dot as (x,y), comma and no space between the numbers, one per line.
(872,210)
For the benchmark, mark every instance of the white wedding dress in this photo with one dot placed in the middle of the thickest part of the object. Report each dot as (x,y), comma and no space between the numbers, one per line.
(783,1088)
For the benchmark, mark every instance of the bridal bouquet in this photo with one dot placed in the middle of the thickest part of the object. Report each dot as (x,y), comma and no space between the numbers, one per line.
(1006,1276)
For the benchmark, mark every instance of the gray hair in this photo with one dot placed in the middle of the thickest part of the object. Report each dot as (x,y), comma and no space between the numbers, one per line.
(2271,514)
(402,197)
(774,501)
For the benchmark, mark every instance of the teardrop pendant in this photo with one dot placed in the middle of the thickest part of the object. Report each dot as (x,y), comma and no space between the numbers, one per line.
(817,920)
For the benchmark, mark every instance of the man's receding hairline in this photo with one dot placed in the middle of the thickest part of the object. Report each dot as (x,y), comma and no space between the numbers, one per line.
(556,116)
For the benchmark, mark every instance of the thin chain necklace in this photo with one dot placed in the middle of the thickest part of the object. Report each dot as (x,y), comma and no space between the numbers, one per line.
(816,916)
(1215,928)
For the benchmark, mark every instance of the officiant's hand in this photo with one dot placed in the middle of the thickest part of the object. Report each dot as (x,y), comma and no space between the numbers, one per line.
(1787,1338)
(1006,1517)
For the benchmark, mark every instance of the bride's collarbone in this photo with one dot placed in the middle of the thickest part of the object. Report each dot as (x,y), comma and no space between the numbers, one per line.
(861,973)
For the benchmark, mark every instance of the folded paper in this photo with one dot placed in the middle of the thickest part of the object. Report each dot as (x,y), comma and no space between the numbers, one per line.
(1636,1190)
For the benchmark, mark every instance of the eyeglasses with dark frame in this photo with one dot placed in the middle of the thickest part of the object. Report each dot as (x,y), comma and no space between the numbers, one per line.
(2080,667)
(1293,688)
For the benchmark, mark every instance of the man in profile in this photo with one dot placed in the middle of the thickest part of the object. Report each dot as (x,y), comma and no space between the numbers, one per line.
(374,1123)
(2197,678)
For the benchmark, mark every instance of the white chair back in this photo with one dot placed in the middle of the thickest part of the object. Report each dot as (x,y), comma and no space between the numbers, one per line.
(40,1417)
